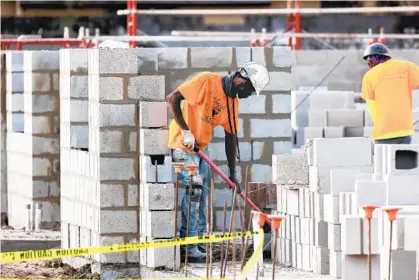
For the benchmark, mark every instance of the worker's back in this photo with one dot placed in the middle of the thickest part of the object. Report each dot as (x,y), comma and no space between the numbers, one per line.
(390,85)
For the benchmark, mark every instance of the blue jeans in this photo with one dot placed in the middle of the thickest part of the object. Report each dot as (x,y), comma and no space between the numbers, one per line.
(398,140)
(198,204)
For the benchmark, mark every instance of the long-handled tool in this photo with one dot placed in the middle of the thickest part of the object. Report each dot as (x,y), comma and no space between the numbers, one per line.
(227,180)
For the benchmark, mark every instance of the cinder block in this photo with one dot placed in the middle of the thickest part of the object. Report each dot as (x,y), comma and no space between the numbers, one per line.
(172,58)
(343,180)
(370,193)
(292,202)
(153,114)
(261,128)
(290,169)
(336,264)
(14,61)
(154,141)
(318,205)
(111,88)
(402,190)
(366,177)
(41,60)
(305,231)
(403,264)
(148,170)
(401,159)
(321,233)
(253,105)
(398,238)
(112,195)
(110,141)
(313,132)
(320,260)
(159,257)
(157,224)
(411,228)
(281,103)
(42,103)
(330,100)
(354,239)
(334,237)
(219,132)
(345,117)
(282,147)
(347,205)
(112,257)
(147,88)
(317,118)
(334,132)
(118,221)
(342,152)
(282,56)
(367,131)
(41,82)
(116,61)
(354,132)
(331,209)
(211,57)
(116,115)
(79,86)
(260,173)
(356,267)
(125,170)
(157,196)
(279,81)
(79,111)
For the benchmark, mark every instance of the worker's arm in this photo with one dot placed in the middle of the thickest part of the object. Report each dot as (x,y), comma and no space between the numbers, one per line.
(414,75)
(174,99)
(369,96)
(231,153)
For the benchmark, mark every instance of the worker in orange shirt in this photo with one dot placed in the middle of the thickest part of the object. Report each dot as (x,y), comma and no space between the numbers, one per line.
(209,100)
(387,88)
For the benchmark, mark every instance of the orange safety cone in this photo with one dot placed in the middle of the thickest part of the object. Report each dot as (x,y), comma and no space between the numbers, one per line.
(275,224)
(191,169)
(369,209)
(392,216)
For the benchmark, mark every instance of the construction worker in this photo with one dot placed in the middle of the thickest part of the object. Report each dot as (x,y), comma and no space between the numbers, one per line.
(209,100)
(387,88)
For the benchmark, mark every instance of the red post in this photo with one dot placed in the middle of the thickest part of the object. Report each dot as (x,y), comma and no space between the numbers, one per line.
(18,46)
(297,25)
(134,23)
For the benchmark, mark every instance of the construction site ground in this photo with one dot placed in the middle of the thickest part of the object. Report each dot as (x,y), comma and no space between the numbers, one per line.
(57,270)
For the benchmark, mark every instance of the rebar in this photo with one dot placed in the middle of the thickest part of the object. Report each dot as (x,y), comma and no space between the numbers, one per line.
(188,223)
(222,243)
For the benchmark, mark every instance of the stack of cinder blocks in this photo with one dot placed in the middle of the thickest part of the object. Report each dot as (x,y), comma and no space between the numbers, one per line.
(33,141)
(328,114)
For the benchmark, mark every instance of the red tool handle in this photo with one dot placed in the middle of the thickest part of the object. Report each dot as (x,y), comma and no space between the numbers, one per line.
(227,180)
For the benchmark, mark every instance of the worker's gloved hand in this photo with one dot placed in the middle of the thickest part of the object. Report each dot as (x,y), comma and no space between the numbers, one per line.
(188,139)
(234,180)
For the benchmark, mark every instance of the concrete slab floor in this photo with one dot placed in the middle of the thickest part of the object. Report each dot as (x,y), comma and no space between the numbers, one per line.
(20,240)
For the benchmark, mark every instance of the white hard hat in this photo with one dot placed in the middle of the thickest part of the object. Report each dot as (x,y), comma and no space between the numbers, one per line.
(258,75)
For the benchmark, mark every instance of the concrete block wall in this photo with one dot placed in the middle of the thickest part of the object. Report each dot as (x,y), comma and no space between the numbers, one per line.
(33,169)
(3,174)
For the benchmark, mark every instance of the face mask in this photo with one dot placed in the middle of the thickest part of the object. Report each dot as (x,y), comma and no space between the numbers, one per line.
(243,91)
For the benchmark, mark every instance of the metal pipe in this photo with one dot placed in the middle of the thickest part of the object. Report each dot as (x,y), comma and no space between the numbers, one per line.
(46,41)
(232,216)
(222,243)
(28,226)
(38,216)
(267,11)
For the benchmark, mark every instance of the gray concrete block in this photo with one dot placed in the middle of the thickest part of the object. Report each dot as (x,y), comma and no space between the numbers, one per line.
(354,132)
(133,195)
(320,260)
(345,117)
(402,190)
(111,88)
(125,169)
(157,224)
(282,56)
(43,145)
(17,102)
(160,257)
(217,151)
(290,169)
(403,265)
(342,151)
(260,173)
(148,116)
(147,88)
(116,115)
(344,179)
(261,128)
(147,60)
(41,82)
(331,211)
(258,55)
(118,221)
(79,111)
(78,60)
(112,195)
(172,58)
(41,60)
(154,141)
(157,196)
(111,141)
(355,235)
(356,267)
(279,81)
(118,61)
(242,55)
(225,170)
(313,132)
(79,86)
(148,170)
(334,132)
(43,103)
(79,136)
(15,82)
(132,141)
(211,57)
(317,118)
(14,61)
(401,159)
(336,264)
(370,193)
(281,103)
(253,105)
(334,235)
(282,147)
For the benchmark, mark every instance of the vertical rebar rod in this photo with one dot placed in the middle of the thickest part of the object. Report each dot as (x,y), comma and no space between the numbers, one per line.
(211,221)
(389,252)
(369,251)
(188,223)
(275,235)
(233,253)
(176,209)
(222,243)
(232,216)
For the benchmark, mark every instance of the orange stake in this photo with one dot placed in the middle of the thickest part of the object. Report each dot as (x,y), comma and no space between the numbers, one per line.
(275,224)
(369,209)
(392,213)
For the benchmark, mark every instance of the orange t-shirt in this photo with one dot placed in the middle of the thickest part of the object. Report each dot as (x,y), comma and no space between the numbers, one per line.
(389,86)
(204,108)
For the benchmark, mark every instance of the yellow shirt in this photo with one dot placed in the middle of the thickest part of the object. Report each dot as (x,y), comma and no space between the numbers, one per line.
(387,89)
(204,108)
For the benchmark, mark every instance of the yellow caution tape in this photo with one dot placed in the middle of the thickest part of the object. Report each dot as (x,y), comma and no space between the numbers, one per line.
(22,256)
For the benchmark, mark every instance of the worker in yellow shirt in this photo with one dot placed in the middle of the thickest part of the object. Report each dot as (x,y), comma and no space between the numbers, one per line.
(387,88)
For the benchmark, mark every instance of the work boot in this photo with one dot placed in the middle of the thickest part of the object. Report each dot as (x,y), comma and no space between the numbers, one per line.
(196,256)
